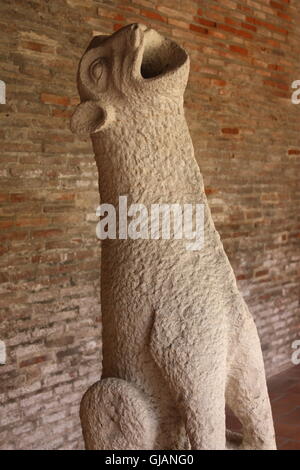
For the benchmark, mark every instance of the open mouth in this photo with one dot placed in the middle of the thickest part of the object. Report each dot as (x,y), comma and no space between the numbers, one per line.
(160,55)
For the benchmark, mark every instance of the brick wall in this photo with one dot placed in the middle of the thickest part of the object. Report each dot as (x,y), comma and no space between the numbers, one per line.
(244,57)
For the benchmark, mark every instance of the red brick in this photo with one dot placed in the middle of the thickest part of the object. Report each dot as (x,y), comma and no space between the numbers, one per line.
(239,50)
(178,23)
(46,233)
(249,26)
(118,26)
(4,197)
(284,16)
(32,222)
(230,130)
(153,15)
(203,21)
(61,113)
(198,29)
(276,67)
(262,272)
(231,21)
(277,5)
(37,47)
(236,32)
(33,361)
(218,82)
(6,224)
(276,84)
(265,24)
(48,98)
(209,191)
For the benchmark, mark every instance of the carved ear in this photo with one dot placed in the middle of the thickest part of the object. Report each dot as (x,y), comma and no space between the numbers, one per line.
(90,117)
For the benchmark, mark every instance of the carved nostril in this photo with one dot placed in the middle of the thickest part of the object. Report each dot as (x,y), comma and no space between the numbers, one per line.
(134,26)
(140,26)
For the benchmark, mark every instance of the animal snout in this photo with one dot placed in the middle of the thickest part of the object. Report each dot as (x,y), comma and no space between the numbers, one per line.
(136,34)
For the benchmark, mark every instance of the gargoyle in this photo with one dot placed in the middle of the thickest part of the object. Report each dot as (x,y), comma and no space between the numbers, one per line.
(179,343)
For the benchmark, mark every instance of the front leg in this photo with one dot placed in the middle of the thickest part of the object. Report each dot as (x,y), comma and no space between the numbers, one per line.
(246,390)
(117,416)
(193,362)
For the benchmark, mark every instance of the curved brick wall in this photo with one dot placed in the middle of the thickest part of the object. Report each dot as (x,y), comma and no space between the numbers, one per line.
(245,55)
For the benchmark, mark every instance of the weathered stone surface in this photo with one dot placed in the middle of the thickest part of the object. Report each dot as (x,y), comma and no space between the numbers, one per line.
(50,274)
(178,339)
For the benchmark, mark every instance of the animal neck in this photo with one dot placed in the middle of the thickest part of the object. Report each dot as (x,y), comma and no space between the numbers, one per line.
(147,153)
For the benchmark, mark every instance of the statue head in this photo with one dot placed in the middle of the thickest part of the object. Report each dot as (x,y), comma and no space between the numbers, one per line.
(133,67)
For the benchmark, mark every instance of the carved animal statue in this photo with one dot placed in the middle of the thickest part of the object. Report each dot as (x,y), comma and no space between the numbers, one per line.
(179,343)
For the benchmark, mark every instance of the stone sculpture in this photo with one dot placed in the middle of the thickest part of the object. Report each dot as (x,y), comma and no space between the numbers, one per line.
(179,342)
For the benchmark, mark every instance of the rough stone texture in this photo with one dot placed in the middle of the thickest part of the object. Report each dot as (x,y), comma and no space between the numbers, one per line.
(179,343)
(245,55)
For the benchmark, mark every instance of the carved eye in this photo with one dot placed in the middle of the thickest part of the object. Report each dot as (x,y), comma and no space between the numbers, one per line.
(98,70)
